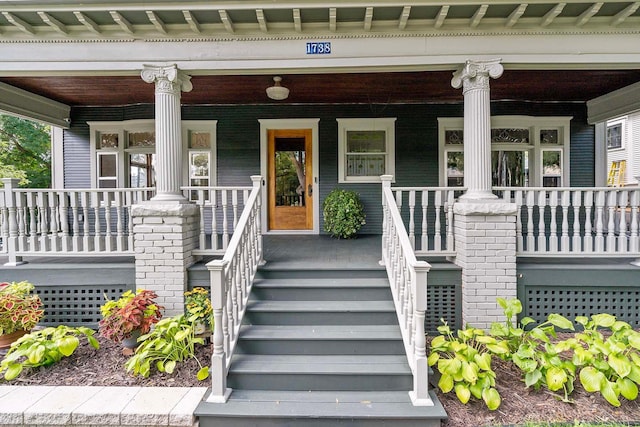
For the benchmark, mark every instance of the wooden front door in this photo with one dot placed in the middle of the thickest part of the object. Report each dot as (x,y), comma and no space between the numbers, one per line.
(290,186)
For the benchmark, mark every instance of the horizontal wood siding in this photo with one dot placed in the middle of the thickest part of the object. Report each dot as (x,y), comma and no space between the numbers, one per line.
(238,140)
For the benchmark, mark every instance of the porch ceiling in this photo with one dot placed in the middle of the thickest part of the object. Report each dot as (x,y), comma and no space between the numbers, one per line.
(383,87)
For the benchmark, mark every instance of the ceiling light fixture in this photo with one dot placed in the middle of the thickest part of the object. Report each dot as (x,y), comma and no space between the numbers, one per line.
(277,92)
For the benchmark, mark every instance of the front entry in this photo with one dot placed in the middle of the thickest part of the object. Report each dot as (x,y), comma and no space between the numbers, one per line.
(290,179)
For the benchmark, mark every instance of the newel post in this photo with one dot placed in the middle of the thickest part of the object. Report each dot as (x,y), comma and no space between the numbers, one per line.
(10,203)
(420,393)
(257,185)
(386,183)
(219,391)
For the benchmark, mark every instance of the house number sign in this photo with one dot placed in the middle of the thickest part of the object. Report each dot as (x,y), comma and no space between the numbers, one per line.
(318,48)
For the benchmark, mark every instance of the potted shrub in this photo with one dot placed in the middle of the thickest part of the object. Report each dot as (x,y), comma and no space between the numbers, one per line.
(343,213)
(132,315)
(198,309)
(20,311)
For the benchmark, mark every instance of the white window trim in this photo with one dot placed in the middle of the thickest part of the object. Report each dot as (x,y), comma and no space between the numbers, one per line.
(122,128)
(534,123)
(209,126)
(386,124)
(622,121)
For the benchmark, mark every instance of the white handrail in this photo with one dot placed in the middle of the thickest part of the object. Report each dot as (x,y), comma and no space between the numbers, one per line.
(576,221)
(408,280)
(231,282)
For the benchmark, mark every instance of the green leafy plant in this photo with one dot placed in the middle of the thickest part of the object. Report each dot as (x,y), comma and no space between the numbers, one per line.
(131,312)
(198,306)
(19,308)
(464,364)
(172,340)
(608,351)
(533,351)
(44,348)
(343,213)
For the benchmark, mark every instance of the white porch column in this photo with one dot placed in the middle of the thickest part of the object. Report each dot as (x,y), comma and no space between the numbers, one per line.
(170,82)
(474,77)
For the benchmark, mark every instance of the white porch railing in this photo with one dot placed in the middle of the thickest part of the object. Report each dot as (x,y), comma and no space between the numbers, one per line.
(428,213)
(576,221)
(67,222)
(220,209)
(408,279)
(231,282)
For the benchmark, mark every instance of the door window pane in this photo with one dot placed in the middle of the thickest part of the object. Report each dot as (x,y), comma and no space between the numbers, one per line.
(290,157)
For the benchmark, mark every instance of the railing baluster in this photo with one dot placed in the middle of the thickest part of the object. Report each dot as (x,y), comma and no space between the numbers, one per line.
(412,225)
(611,224)
(517,198)
(553,227)
(599,200)
(530,234)
(577,240)
(424,235)
(437,236)
(97,227)
(623,201)
(43,223)
(107,219)
(589,242)
(542,230)
(633,238)
(450,237)
(225,220)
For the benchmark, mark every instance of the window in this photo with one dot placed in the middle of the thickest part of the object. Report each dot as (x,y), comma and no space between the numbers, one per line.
(123,153)
(615,134)
(366,149)
(518,144)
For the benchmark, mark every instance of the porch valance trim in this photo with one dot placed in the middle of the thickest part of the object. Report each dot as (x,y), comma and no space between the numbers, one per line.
(615,104)
(31,106)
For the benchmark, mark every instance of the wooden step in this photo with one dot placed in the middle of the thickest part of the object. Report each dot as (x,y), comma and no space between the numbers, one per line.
(319,408)
(320,372)
(317,289)
(320,339)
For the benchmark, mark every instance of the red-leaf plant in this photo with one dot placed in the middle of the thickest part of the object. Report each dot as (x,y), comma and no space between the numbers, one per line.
(19,308)
(132,312)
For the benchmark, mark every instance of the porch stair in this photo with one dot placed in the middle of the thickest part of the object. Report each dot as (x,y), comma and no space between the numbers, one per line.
(320,347)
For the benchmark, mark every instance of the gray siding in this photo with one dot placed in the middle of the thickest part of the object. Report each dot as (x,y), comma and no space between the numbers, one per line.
(238,141)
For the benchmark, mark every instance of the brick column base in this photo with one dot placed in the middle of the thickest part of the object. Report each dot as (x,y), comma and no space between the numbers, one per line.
(485,237)
(165,235)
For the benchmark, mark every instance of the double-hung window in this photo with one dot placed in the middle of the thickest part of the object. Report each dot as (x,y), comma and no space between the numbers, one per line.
(525,151)
(123,153)
(366,149)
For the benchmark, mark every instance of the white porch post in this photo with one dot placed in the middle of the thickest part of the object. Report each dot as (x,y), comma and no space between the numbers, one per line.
(474,77)
(485,226)
(166,227)
(170,82)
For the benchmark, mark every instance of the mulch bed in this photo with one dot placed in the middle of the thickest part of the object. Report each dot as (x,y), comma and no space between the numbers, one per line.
(105,367)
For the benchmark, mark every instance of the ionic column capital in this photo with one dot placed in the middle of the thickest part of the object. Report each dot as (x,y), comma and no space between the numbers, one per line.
(168,79)
(476,74)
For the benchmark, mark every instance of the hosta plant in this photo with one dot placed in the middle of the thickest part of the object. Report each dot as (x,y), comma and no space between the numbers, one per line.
(19,308)
(532,349)
(464,363)
(172,341)
(131,312)
(608,352)
(44,348)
